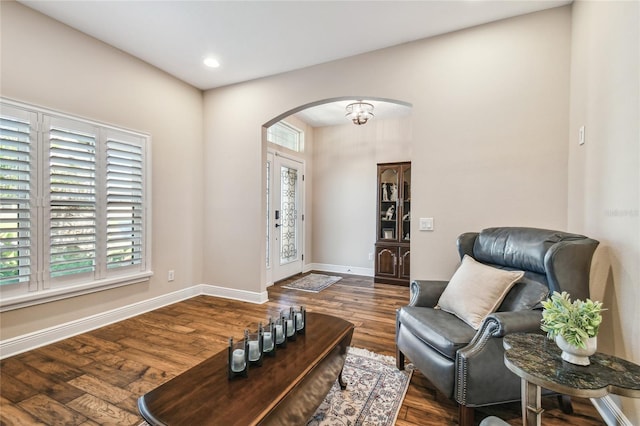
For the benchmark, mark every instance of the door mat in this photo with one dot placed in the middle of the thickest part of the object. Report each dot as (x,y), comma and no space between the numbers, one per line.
(312,282)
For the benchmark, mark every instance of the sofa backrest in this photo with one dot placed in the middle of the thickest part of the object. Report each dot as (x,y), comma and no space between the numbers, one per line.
(559,260)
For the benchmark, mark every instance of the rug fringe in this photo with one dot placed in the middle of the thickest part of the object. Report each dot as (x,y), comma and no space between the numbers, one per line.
(369,354)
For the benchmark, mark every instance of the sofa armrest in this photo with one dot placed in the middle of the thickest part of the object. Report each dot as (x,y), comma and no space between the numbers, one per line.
(426,293)
(480,369)
(514,322)
(499,324)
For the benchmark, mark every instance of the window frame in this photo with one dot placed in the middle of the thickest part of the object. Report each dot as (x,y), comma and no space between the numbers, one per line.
(276,133)
(41,287)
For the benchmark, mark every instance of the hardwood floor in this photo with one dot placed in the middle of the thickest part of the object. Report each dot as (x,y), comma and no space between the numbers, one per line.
(96,377)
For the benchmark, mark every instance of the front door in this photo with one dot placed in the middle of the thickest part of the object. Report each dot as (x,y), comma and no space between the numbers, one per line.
(286,244)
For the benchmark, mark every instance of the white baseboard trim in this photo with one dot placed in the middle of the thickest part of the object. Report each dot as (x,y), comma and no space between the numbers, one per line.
(29,341)
(609,409)
(230,293)
(340,269)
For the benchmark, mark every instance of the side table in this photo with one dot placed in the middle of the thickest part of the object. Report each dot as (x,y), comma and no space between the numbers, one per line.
(537,360)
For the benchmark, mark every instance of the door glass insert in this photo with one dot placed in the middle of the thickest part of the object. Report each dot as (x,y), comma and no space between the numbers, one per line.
(388,203)
(288,215)
(406,204)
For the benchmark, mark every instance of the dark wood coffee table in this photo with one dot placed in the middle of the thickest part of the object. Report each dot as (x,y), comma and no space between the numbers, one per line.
(286,389)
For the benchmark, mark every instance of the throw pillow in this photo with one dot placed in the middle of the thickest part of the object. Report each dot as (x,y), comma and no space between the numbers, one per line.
(476,290)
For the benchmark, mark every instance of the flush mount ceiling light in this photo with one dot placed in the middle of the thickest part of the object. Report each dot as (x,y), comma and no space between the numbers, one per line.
(211,62)
(359,112)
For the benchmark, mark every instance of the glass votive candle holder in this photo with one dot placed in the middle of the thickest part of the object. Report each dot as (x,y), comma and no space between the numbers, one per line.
(254,345)
(268,339)
(280,330)
(289,320)
(238,358)
(300,319)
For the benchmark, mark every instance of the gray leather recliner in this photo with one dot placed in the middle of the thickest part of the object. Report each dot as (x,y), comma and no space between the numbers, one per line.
(466,364)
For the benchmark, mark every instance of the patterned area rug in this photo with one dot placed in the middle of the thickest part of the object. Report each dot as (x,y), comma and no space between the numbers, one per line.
(374,394)
(313,282)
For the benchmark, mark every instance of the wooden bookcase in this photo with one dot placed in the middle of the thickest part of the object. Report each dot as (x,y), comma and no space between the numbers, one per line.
(392,254)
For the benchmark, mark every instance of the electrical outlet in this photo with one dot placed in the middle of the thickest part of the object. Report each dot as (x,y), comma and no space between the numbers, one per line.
(370,256)
(171,275)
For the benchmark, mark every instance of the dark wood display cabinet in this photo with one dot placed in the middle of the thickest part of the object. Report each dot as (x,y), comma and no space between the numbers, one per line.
(392,254)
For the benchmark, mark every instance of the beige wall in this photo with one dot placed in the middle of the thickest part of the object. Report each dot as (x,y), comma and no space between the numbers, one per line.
(604,173)
(48,64)
(344,198)
(490,122)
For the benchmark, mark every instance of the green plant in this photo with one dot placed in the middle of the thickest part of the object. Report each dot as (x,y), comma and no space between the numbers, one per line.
(575,321)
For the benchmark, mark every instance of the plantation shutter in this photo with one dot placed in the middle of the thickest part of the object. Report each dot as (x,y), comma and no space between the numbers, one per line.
(73,206)
(124,203)
(15,198)
(72,201)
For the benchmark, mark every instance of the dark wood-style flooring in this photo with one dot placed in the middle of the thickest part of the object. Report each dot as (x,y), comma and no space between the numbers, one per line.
(97,377)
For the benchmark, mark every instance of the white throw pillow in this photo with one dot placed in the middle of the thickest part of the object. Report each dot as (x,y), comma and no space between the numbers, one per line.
(476,290)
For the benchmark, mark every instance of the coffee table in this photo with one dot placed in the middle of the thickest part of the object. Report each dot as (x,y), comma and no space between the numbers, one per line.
(286,389)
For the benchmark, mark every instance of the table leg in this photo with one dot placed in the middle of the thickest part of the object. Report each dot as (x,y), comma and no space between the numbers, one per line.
(531,404)
(343,384)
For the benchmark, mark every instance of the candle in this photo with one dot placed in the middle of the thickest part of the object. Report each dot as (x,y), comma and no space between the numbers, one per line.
(254,350)
(237,362)
(290,329)
(267,342)
(299,323)
(279,333)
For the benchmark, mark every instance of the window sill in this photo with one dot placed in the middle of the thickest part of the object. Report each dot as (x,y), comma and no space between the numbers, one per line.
(46,296)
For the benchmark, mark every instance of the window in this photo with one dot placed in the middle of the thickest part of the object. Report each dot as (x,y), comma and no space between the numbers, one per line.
(268,195)
(285,135)
(73,211)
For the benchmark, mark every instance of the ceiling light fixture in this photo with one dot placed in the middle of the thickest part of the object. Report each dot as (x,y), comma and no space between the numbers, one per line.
(359,112)
(211,63)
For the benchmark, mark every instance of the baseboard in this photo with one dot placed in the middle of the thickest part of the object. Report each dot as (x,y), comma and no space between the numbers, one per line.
(230,293)
(340,269)
(609,409)
(27,342)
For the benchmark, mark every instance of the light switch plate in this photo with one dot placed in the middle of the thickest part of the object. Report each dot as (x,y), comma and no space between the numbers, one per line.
(426,224)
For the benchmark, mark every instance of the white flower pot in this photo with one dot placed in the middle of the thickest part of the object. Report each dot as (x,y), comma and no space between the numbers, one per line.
(576,355)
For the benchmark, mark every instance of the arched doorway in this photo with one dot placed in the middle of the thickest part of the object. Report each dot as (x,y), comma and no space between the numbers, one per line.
(316,224)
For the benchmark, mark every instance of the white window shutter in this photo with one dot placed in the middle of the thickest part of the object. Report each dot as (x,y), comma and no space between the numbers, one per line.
(74,206)
(72,200)
(125,200)
(15,196)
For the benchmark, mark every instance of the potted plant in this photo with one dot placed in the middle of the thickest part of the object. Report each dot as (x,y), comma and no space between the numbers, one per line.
(573,325)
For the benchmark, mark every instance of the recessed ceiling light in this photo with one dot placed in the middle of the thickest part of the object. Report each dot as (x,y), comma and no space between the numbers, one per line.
(211,62)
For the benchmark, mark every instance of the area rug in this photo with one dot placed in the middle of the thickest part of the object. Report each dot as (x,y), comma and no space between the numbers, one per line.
(374,394)
(312,282)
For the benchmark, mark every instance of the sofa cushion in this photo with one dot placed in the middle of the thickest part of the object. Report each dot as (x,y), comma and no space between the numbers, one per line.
(476,290)
(438,329)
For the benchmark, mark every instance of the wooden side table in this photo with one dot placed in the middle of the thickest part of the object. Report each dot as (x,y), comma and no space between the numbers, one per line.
(537,360)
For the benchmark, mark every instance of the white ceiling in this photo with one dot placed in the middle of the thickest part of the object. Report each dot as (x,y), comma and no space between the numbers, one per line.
(333,113)
(253,39)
